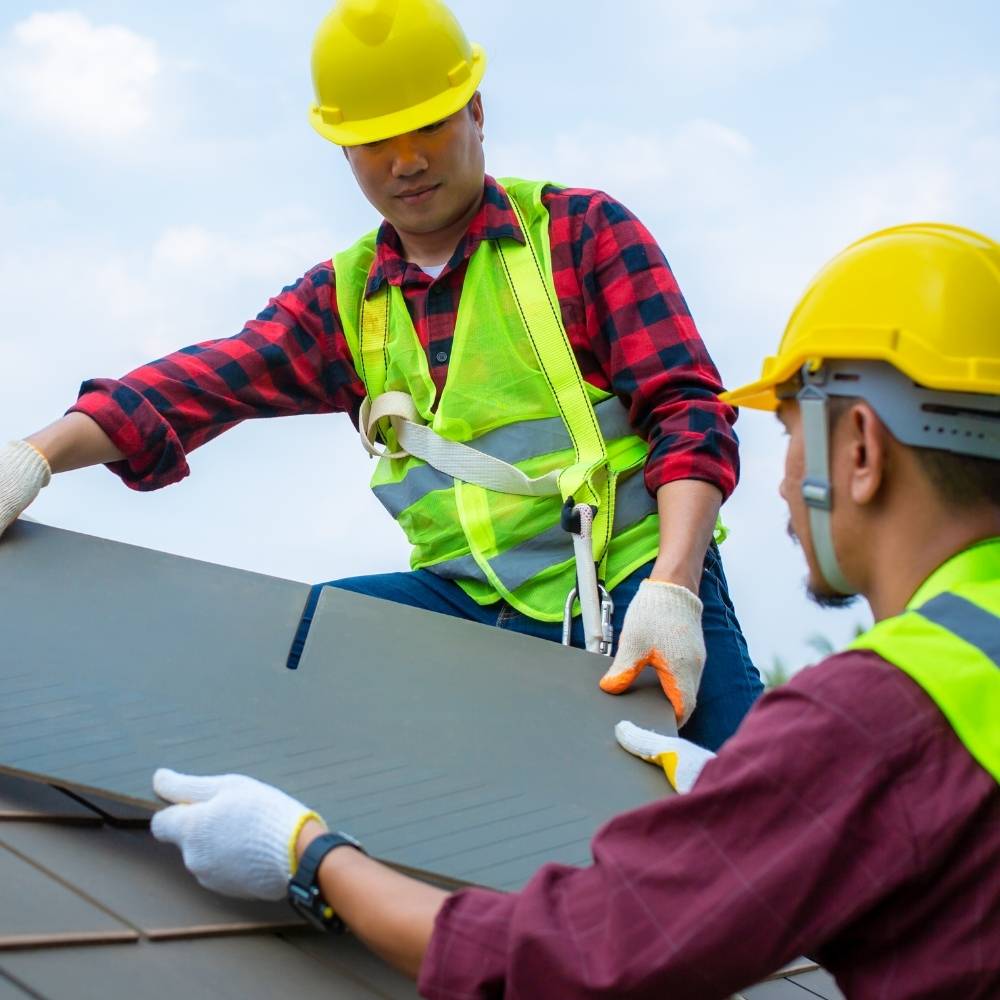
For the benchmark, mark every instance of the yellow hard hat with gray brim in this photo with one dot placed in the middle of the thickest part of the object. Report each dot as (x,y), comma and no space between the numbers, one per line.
(924,298)
(382,68)
(907,319)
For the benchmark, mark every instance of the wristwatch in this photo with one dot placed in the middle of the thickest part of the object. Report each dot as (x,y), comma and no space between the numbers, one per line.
(303,887)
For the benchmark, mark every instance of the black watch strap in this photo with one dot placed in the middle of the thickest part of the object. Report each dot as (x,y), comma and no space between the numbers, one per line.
(303,888)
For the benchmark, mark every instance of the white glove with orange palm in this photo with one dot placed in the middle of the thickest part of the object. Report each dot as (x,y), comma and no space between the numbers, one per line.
(663,630)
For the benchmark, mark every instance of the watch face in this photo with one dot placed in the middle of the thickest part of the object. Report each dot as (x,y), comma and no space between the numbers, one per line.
(307,903)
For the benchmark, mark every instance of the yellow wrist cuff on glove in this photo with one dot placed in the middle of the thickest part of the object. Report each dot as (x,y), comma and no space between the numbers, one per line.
(293,858)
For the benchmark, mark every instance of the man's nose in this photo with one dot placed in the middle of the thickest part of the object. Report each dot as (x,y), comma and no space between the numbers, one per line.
(408,158)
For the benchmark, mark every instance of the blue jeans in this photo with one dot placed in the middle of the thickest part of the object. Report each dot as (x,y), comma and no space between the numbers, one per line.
(729,685)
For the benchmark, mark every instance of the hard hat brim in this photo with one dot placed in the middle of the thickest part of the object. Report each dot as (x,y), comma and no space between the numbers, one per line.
(443,105)
(899,348)
(759,395)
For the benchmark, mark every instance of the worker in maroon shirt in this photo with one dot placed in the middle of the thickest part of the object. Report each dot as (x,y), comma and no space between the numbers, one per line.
(855,815)
(517,354)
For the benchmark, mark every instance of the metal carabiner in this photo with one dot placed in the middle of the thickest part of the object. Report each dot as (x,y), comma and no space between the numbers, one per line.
(607,621)
(568,618)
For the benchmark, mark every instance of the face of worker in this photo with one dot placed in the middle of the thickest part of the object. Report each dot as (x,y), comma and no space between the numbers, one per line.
(427,180)
(798,513)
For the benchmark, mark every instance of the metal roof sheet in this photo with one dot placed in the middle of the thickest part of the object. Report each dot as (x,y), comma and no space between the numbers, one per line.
(140,880)
(445,745)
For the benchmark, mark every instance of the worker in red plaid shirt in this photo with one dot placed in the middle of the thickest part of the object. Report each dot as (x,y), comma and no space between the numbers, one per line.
(542,329)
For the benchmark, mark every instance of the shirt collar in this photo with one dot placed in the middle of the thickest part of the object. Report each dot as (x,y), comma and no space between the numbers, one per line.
(495,220)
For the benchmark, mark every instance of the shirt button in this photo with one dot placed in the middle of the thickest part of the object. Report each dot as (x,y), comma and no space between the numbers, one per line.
(441,357)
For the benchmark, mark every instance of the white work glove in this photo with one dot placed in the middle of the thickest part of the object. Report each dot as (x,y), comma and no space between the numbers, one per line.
(663,630)
(237,835)
(23,472)
(681,760)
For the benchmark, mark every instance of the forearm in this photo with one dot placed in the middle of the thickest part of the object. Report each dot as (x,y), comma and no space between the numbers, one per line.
(292,359)
(74,442)
(392,914)
(688,509)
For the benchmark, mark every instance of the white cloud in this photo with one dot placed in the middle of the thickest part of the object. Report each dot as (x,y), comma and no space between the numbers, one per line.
(701,162)
(729,38)
(190,249)
(114,307)
(65,73)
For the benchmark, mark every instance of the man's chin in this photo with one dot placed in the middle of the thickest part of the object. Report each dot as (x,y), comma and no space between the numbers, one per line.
(825,597)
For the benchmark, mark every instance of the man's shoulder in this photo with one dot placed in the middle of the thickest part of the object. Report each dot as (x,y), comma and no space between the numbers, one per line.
(321,273)
(872,699)
(318,276)
(839,671)
(583,201)
(843,678)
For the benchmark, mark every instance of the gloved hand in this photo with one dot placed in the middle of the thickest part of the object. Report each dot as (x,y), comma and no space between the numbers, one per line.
(681,760)
(23,472)
(237,835)
(662,629)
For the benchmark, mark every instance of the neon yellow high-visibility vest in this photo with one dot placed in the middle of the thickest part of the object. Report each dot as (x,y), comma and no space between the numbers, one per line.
(948,641)
(514,391)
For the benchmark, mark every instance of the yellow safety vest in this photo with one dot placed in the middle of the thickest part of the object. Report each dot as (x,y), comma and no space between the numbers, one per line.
(514,391)
(948,641)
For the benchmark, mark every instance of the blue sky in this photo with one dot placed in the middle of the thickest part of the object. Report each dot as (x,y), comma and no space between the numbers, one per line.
(159,181)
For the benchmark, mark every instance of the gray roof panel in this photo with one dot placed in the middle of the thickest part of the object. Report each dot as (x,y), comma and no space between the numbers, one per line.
(775,989)
(409,727)
(143,882)
(23,799)
(820,982)
(352,958)
(9,990)
(40,910)
(257,967)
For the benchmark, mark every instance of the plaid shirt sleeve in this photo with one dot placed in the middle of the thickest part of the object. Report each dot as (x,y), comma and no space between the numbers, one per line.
(633,335)
(293,358)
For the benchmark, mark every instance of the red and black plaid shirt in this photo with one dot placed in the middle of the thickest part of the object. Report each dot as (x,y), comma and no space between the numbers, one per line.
(625,316)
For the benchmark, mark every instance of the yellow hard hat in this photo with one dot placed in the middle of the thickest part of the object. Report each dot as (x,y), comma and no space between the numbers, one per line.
(924,297)
(385,67)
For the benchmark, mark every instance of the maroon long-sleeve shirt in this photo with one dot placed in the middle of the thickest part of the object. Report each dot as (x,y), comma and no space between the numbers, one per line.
(624,314)
(844,821)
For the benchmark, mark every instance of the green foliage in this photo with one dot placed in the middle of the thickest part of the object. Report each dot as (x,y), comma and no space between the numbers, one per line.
(779,672)
(776,675)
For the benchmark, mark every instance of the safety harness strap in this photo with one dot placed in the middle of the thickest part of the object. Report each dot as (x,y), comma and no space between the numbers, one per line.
(453,458)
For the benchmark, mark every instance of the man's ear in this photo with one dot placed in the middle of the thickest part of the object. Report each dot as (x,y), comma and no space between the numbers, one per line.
(863,438)
(475,107)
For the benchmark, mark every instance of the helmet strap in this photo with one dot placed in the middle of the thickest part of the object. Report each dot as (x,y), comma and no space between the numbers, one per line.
(816,489)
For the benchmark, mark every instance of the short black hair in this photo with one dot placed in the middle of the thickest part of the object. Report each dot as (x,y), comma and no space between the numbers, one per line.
(961,481)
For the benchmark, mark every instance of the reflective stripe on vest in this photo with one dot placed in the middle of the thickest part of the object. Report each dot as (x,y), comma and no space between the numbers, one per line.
(948,642)
(968,621)
(553,547)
